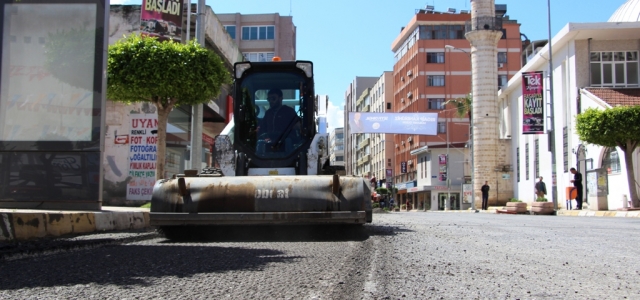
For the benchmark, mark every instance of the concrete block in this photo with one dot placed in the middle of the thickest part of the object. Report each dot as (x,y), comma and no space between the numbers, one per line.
(104,221)
(58,224)
(600,213)
(6,230)
(591,214)
(632,214)
(82,222)
(28,226)
(620,214)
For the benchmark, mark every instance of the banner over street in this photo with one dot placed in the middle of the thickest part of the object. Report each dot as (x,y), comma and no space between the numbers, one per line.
(398,123)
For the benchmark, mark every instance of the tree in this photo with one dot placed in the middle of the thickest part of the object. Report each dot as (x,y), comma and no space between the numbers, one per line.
(462,105)
(167,74)
(618,126)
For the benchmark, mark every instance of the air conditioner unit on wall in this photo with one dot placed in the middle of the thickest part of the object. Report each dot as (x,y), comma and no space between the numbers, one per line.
(409,73)
(500,65)
(410,162)
(410,139)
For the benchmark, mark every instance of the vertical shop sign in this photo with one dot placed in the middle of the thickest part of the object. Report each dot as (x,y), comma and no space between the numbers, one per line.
(532,103)
(142,156)
(442,164)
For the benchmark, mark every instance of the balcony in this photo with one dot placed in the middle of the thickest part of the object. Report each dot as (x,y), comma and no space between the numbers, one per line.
(484,23)
(363,143)
(366,108)
(363,160)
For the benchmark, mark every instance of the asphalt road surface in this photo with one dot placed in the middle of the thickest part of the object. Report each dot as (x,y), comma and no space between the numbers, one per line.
(398,256)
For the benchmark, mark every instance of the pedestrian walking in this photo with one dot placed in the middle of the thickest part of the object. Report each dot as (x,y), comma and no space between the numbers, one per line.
(485,195)
(541,188)
(577,184)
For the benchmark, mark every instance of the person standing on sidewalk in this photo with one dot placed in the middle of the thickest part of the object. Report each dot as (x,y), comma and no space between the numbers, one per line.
(485,195)
(577,184)
(541,188)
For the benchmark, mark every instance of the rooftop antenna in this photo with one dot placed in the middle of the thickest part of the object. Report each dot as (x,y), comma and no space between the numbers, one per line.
(290,7)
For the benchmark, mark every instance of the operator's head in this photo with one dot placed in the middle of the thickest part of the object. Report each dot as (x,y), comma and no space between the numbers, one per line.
(274,96)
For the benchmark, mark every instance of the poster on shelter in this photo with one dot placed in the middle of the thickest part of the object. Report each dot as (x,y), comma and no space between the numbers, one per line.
(161,19)
(533,104)
(398,123)
(142,156)
(442,164)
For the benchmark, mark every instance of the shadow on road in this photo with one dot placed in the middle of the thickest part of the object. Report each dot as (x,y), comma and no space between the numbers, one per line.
(326,233)
(129,265)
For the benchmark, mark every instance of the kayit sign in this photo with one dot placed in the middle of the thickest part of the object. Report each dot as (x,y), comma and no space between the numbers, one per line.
(532,103)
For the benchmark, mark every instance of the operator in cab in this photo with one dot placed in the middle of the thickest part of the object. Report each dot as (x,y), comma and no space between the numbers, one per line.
(277,119)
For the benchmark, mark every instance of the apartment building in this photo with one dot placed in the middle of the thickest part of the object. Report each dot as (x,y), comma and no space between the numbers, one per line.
(260,37)
(355,89)
(433,65)
(336,147)
(382,155)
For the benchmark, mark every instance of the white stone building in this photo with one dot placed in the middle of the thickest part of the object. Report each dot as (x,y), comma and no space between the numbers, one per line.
(595,65)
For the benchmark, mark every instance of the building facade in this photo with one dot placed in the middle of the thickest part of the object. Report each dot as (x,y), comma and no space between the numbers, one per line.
(432,66)
(595,65)
(336,147)
(382,156)
(260,37)
(355,89)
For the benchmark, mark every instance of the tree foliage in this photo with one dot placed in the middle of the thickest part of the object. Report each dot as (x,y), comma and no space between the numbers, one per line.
(167,74)
(143,69)
(463,105)
(611,127)
(618,126)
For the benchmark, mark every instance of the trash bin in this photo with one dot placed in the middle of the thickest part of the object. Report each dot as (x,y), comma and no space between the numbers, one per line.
(570,194)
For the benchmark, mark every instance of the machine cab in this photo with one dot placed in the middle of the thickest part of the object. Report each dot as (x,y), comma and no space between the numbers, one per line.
(273,112)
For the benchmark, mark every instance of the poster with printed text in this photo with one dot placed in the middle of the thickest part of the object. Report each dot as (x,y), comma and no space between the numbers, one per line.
(532,103)
(162,19)
(142,156)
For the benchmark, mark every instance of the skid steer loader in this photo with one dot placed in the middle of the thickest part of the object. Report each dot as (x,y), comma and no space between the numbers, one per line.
(272,161)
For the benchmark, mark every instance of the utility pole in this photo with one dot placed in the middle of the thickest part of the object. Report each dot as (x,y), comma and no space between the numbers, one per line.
(196,110)
(551,130)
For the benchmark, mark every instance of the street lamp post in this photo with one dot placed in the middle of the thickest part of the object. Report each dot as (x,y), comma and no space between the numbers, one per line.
(473,196)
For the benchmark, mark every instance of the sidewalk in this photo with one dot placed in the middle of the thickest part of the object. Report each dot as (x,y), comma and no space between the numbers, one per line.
(562,212)
(25,224)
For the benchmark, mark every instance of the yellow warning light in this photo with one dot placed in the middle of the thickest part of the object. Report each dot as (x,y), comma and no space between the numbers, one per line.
(276,58)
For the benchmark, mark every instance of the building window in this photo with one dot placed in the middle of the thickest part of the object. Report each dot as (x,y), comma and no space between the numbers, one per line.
(441,32)
(565,148)
(258,56)
(435,80)
(502,81)
(456,32)
(518,163)
(526,161)
(27,40)
(231,30)
(611,161)
(388,105)
(614,69)
(504,34)
(502,57)
(258,32)
(435,57)
(437,103)
(442,127)
(536,158)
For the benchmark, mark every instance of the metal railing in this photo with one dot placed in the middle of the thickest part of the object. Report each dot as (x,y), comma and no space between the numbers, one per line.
(483,23)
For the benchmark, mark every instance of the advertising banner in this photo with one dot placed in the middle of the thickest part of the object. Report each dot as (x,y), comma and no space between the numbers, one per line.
(142,156)
(403,167)
(467,190)
(533,104)
(389,175)
(162,19)
(442,164)
(398,123)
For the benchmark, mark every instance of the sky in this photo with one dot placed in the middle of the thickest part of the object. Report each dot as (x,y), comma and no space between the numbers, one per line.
(349,38)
